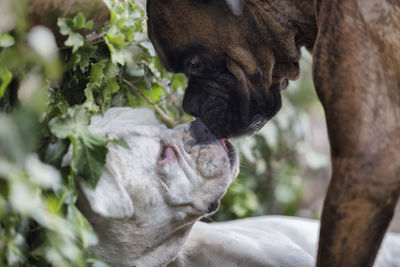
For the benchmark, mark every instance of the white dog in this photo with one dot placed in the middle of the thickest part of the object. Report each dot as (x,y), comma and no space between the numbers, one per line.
(151,195)
(275,241)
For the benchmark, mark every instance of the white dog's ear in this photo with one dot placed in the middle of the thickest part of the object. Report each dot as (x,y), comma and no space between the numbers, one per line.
(236,6)
(109,198)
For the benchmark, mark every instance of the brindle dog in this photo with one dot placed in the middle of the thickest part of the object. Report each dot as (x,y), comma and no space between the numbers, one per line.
(239,54)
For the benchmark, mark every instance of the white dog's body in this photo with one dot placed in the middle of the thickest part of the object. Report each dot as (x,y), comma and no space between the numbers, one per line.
(274,241)
(150,197)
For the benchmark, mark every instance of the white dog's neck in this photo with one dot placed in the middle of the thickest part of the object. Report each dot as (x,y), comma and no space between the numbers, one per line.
(169,248)
(131,248)
(128,243)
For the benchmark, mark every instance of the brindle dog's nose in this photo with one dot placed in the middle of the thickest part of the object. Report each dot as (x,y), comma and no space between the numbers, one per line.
(200,132)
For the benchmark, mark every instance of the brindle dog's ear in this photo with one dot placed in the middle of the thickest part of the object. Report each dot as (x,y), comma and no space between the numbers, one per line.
(236,6)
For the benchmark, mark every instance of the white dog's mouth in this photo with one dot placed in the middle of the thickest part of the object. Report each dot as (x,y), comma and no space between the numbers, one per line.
(213,207)
(229,149)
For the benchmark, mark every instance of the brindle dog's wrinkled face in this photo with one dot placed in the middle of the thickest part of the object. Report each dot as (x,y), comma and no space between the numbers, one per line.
(235,79)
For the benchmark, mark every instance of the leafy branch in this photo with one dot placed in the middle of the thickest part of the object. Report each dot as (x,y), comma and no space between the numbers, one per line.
(148,100)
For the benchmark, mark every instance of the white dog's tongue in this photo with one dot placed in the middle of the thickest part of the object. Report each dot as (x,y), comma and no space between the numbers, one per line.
(223,143)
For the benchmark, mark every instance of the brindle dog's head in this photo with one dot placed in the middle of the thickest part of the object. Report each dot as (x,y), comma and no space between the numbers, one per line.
(237,55)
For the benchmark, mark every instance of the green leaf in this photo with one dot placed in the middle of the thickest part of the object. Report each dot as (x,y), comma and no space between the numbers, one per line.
(81,58)
(79,21)
(64,26)
(89,25)
(155,94)
(116,44)
(73,123)
(128,33)
(82,226)
(6,40)
(70,26)
(75,40)
(5,79)
(111,70)
(90,103)
(89,151)
(112,86)
(54,153)
(117,56)
(179,81)
(11,144)
(89,158)
(113,16)
(118,40)
(103,79)
(96,71)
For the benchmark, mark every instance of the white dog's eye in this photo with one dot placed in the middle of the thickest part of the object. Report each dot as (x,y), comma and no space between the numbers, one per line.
(167,154)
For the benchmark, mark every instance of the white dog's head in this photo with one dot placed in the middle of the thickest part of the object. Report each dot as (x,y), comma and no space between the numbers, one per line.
(149,196)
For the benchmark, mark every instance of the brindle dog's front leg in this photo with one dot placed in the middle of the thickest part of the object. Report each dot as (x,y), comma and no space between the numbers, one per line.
(352,76)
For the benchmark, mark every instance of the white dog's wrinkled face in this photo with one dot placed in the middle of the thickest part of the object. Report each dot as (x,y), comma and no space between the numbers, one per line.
(167,178)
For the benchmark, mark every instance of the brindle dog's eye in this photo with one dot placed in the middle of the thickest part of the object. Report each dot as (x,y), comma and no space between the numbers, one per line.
(195,65)
(195,61)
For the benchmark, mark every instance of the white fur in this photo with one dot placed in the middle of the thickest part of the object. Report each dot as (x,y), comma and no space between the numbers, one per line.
(109,198)
(275,241)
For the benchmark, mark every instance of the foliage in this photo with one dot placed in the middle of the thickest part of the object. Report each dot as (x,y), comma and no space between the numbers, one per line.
(49,91)
(47,95)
